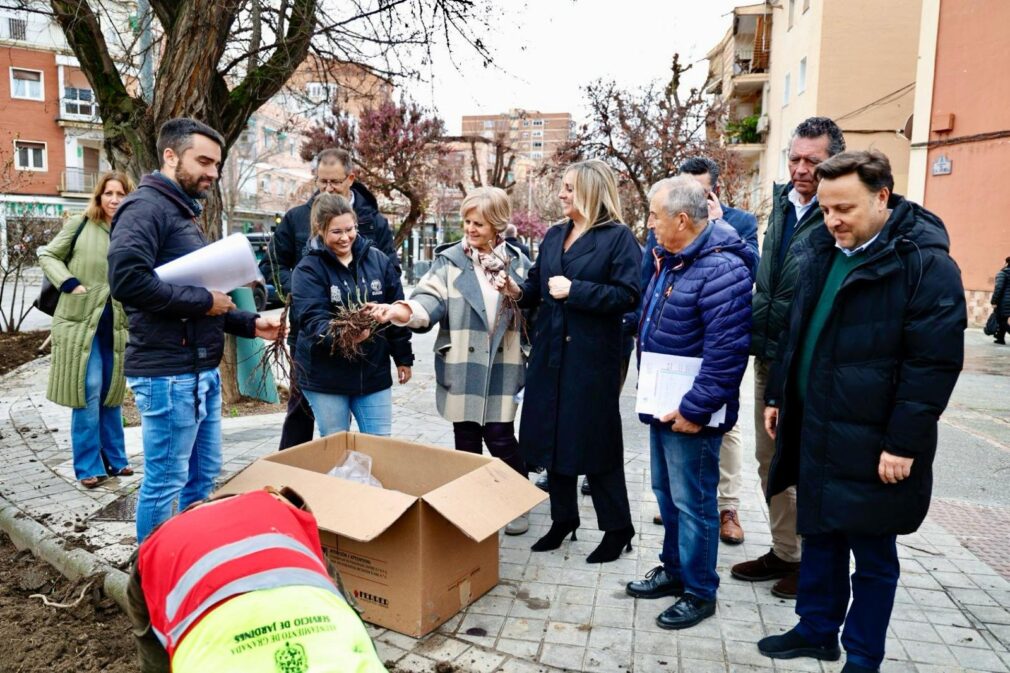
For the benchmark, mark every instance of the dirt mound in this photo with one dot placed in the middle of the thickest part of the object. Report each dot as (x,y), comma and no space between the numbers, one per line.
(89,637)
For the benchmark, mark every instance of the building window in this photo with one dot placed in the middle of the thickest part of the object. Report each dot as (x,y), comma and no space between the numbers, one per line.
(538,134)
(537,144)
(526,122)
(319,92)
(785,90)
(78,101)
(17,29)
(27,84)
(801,79)
(29,156)
(783,164)
(265,184)
(792,12)
(536,155)
(538,122)
(489,124)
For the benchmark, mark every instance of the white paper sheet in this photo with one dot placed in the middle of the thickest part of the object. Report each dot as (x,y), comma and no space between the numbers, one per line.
(223,266)
(663,380)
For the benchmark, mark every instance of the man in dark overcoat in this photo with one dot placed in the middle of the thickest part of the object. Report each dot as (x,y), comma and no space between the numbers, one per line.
(873,349)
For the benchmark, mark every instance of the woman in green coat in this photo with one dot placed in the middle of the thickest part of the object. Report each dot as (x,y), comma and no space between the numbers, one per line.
(89,336)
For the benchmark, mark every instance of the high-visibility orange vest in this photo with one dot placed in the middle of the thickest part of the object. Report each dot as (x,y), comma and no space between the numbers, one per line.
(196,561)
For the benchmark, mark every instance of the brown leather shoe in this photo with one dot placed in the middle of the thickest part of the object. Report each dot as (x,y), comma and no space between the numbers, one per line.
(730,530)
(787,587)
(768,567)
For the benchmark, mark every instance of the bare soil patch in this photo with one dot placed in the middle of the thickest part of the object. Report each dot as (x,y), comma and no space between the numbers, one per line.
(20,347)
(92,636)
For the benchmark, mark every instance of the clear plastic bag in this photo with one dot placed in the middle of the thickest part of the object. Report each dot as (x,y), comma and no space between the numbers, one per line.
(357,467)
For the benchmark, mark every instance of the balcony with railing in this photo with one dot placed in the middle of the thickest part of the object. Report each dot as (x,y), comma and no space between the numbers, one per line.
(78,181)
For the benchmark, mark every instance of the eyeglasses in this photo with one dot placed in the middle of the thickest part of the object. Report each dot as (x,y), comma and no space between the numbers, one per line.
(330,183)
(339,233)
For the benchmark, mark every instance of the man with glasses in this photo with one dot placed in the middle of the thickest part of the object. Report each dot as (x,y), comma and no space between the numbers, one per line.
(334,174)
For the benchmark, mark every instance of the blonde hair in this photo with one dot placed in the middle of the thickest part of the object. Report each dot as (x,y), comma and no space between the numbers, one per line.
(491,203)
(325,207)
(95,212)
(595,192)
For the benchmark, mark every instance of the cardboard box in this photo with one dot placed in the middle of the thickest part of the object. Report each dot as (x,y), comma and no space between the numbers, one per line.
(417,551)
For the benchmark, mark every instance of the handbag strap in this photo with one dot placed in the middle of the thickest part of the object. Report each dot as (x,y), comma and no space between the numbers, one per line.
(73,241)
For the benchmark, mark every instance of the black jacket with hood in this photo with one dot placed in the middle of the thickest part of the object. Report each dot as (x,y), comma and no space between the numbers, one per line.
(883,369)
(170,331)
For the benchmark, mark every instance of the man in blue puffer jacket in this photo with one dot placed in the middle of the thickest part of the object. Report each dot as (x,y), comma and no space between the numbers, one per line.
(697,306)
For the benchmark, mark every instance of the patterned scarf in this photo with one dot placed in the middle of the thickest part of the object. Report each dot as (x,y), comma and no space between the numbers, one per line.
(495,264)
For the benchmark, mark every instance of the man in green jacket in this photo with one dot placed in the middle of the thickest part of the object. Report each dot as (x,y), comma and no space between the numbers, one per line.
(795,213)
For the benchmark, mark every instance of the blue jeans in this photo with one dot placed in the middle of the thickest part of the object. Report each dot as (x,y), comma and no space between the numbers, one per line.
(685,479)
(96,431)
(823,598)
(181,426)
(373,412)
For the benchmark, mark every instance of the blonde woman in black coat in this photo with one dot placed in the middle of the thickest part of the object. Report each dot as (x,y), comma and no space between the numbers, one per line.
(585,279)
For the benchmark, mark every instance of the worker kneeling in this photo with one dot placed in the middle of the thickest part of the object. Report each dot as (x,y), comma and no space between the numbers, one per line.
(241,584)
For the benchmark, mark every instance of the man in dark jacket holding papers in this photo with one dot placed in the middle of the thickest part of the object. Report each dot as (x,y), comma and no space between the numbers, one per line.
(697,308)
(176,332)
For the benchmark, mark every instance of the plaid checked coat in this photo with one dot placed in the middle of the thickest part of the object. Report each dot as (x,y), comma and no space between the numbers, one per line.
(478,372)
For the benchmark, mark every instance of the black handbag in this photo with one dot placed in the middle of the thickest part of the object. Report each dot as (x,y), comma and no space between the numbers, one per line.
(49,295)
(992,324)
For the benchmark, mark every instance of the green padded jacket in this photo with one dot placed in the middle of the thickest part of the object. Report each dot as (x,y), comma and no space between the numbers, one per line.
(76,319)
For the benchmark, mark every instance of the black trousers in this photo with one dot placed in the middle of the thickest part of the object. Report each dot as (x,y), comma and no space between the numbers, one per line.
(300,422)
(1001,329)
(609,493)
(500,438)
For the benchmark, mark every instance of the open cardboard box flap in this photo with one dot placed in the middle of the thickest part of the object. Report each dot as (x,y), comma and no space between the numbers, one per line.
(354,510)
(502,493)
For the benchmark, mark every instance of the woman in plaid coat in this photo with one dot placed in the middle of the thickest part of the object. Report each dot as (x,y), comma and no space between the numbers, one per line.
(480,357)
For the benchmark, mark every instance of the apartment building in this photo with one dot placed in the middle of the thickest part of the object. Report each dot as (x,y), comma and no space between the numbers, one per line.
(738,77)
(844,59)
(264,175)
(532,135)
(50,128)
(960,147)
(783,61)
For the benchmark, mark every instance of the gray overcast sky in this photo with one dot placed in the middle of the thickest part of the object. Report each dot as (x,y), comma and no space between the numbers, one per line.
(546,51)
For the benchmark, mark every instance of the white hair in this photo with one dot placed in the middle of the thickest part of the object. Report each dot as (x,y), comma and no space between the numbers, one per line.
(683,195)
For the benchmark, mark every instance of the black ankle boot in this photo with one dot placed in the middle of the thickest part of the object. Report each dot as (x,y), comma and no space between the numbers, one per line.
(556,535)
(613,543)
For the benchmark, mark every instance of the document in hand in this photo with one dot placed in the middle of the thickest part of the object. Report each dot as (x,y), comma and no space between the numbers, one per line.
(663,380)
(223,266)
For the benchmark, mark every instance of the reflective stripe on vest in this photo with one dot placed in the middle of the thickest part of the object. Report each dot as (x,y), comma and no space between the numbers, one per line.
(268,579)
(214,558)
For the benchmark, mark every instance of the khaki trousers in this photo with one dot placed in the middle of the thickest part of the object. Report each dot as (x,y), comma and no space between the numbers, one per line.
(730,465)
(782,508)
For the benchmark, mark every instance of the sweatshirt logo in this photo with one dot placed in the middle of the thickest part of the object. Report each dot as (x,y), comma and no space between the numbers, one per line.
(376,286)
(291,659)
(335,294)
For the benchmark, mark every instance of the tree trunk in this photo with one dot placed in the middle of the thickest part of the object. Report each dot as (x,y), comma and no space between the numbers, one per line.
(229,372)
(414,213)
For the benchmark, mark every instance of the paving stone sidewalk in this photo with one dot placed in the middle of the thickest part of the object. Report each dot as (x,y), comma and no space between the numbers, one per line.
(551,611)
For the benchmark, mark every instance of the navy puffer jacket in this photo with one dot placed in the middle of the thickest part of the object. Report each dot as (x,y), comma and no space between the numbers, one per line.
(699,306)
(319,284)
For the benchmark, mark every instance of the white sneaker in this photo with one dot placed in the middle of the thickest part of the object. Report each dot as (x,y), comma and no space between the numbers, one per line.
(518,525)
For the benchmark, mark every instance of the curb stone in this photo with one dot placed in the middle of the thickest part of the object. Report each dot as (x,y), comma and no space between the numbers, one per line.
(26,533)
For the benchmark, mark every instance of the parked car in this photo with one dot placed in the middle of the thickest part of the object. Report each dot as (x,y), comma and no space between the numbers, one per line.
(264,293)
